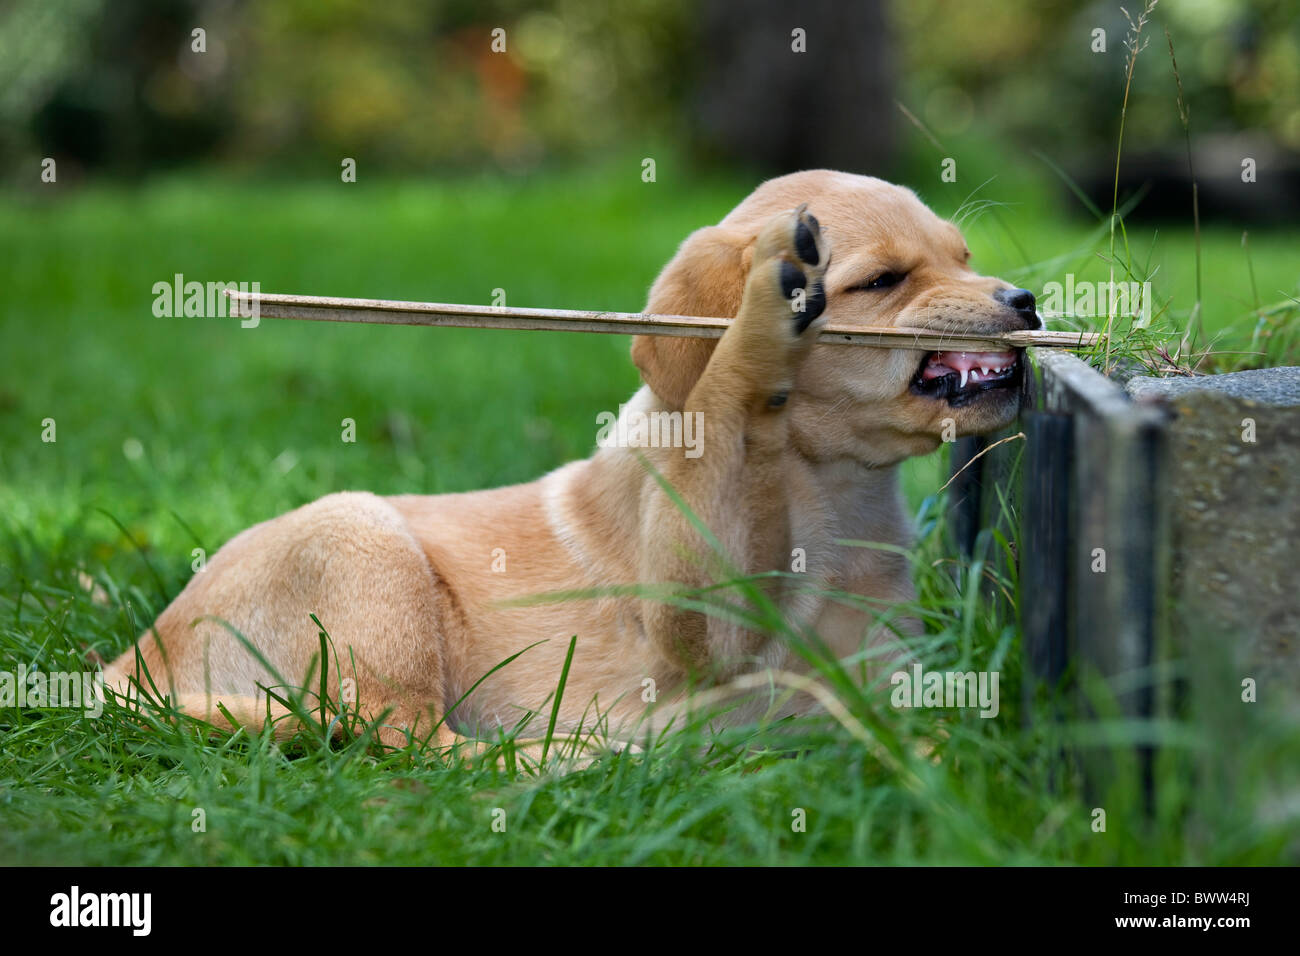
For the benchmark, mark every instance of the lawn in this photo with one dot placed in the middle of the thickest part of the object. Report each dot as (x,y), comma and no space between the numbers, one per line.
(175,433)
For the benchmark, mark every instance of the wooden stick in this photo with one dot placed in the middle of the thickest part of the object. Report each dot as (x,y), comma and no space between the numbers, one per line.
(329,309)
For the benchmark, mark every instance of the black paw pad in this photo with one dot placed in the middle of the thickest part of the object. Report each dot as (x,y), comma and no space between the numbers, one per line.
(804,242)
(792,278)
(814,304)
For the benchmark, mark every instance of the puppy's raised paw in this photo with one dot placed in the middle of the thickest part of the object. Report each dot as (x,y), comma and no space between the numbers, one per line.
(790,259)
(783,306)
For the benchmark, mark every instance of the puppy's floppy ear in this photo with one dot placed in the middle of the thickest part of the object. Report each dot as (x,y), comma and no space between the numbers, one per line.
(705,278)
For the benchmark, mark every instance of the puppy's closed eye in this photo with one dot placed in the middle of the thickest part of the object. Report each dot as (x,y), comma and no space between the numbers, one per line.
(885,280)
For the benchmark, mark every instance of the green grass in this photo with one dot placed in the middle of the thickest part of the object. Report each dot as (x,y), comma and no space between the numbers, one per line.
(185,431)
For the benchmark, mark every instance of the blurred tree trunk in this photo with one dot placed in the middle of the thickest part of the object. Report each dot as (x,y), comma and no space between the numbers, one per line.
(761,102)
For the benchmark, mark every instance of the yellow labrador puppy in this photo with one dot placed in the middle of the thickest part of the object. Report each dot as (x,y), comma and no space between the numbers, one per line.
(797,447)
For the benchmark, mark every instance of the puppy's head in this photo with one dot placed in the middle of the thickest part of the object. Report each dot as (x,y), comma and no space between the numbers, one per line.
(893,263)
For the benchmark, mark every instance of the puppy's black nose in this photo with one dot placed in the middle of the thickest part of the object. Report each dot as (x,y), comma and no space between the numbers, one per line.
(1022,300)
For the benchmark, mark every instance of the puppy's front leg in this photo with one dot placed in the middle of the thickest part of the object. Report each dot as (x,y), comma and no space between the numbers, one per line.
(742,482)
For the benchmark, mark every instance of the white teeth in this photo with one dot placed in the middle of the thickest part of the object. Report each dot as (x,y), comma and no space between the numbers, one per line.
(964,374)
(984,370)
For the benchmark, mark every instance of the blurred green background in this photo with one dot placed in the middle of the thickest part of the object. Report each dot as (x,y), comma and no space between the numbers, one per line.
(284,86)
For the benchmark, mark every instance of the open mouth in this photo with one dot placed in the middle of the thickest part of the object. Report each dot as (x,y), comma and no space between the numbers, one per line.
(960,377)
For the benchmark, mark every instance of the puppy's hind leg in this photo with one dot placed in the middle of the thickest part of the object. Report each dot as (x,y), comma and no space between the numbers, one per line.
(350,560)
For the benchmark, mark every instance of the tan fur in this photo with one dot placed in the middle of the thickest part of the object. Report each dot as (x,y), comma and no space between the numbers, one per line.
(406,585)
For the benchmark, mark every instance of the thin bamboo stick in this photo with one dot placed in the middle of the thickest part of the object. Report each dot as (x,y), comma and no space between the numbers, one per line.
(383,311)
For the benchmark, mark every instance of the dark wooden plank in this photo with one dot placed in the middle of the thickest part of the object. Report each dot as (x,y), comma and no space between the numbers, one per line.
(1044,547)
(1117,549)
(965,501)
